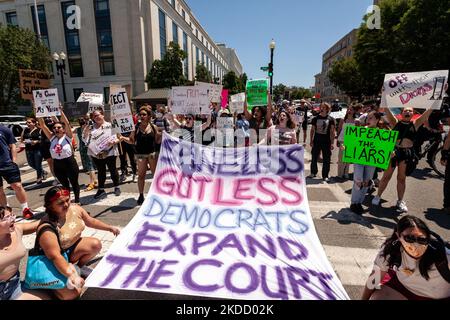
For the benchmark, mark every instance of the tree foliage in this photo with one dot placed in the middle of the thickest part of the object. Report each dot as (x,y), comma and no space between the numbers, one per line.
(233,83)
(345,75)
(278,91)
(202,74)
(414,36)
(19,49)
(168,72)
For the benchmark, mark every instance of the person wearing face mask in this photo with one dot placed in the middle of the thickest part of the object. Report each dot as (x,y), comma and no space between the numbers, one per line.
(413,264)
(403,153)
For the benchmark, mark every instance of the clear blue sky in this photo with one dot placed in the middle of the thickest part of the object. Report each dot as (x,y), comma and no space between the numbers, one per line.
(302,29)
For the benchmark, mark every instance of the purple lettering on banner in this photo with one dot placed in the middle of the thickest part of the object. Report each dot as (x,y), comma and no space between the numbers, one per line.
(194,286)
(218,215)
(143,236)
(304,281)
(159,273)
(324,279)
(230,241)
(197,243)
(120,262)
(281,292)
(176,242)
(269,249)
(139,274)
(285,245)
(254,278)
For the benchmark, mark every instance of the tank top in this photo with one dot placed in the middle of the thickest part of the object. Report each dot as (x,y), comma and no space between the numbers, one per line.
(405,131)
(70,231)
(10,259)
(61,148)
(346,123)
(145,142)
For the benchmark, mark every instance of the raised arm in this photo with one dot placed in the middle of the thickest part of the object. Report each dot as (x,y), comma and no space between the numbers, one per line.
(247,114)
(207,123)
(390,117)
(423,118)
(67,123)
(174,122)
(45,129)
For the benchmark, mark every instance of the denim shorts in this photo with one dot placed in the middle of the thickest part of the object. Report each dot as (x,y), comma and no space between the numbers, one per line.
(11,289)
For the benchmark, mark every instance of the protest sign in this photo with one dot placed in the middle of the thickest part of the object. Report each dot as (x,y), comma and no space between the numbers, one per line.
(415,90)
(99,141)
(190,100)
(95,100)
(214,91)
(338,114)
(237,103)
(226,223)
(75,110)
(46,103)
(32,80)
(224,98)
(257,92)
(369,146)
(121,116)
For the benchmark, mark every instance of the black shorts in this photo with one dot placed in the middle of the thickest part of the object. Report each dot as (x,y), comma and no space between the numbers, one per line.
(10,173)
(305,124)
(402,154)
(45,151)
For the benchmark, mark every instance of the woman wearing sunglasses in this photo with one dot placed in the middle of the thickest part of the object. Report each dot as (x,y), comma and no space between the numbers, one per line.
(62,152)
(413,264)
(12,251)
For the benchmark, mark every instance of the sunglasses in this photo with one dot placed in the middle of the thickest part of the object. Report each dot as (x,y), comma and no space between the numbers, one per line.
(420,240)
(189,119)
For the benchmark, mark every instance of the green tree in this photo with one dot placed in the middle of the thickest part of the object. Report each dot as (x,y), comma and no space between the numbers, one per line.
(345,75)
(168,72)
(278,91)
(19,49)
(231,82)
(413,37)
(202,74)
(243,82)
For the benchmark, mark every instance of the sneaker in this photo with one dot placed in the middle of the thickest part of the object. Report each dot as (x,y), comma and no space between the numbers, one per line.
(401,206)
(376,201)
(90,187)
(117,191)
(140,200)
(100,194)
(326,179)
(122,178)
(39,181)
(27,214)
(357,208)
(85,271)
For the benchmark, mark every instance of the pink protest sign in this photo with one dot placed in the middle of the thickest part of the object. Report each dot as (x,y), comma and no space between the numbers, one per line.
(224,223)
(224,98)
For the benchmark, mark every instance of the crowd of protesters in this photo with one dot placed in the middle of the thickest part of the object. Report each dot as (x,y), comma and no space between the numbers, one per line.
(55,141)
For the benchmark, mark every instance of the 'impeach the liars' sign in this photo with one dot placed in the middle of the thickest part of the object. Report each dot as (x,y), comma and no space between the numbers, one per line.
(227,223)
(369,146)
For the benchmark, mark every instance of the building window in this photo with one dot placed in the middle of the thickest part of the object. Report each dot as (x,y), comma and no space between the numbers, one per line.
(183,14)
(203,58)
(175,32)
(76,93)
(162,33)
(197,54)
(11,19)
(172,2)
(185,49)
(72,44)
(207,63)
(42,23)
(104,38)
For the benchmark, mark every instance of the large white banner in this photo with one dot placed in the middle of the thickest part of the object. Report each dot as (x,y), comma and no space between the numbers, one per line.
(214,91)
(190,100)
(121,116)
(237,103)
(416,90)
(226,223)
(95,100)
(46,103)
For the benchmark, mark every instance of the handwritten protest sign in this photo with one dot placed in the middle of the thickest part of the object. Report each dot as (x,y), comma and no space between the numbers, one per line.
(237,103)
(75,110)
(369,146)
(95,100)
(257,92)
(227,223)
(100,139)
(32,80)
(224,102)
(214,91)
(121,116)
(416,90)
(338,114)
(190,100)
(46,103)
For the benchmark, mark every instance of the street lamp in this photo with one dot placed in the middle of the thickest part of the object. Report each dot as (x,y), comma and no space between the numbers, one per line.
(272,48)
(61,69)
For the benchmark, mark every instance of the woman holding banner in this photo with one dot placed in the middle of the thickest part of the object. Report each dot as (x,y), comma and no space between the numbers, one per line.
(102,147)
(283,132)
(145,137)
(413,264)
(62,152)
(404,154)
(362,173)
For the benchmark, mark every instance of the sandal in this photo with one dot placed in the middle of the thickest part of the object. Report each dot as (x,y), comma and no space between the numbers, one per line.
(90,187)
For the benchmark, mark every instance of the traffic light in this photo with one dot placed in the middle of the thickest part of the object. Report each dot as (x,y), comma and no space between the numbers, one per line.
(270,69)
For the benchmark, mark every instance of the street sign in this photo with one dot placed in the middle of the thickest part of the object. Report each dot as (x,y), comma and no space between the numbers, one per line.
(264,68)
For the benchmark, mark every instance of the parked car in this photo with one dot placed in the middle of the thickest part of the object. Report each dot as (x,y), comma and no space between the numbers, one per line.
(16,123)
